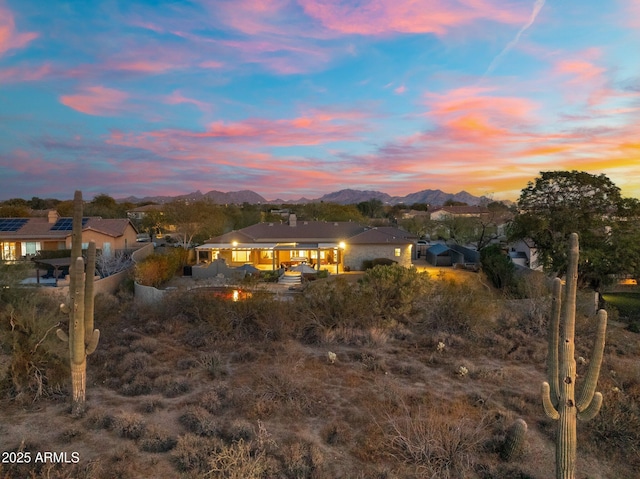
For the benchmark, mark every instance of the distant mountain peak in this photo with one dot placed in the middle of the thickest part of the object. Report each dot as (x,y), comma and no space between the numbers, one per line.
(345,196)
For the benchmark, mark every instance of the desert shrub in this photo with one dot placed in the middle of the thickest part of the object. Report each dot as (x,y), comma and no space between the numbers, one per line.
(326,305)
(238,460)
(38,360)
(438,442)
(139,385)
(157,269)
(145,345)
(150,405)
(237,429)
(100,419)
(301,459)
(192,452)
(259,317)
(130,425)
(199,421)
(172,387)
(337,433)
(157,440)
(392,292)
(615,431)
(457,308)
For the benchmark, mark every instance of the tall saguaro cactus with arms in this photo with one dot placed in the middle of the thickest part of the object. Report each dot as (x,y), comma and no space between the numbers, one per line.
(558,395)
(82,337)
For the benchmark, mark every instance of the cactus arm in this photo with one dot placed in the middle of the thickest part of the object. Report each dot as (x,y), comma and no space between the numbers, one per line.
(554,331)
(547,404)
(593,409)
(591,379)
(93,342)
(62,335)
(88,291)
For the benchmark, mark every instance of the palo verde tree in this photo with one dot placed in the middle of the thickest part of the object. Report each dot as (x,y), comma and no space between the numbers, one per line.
(561,202)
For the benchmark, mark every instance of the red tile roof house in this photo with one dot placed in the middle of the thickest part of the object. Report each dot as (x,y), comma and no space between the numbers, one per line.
(335,246)
(24,237)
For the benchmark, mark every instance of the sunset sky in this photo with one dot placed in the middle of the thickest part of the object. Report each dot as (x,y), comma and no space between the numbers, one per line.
(293,98)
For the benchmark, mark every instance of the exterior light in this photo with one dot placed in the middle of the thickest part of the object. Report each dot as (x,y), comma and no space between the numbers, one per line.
(342,245)
(235,243)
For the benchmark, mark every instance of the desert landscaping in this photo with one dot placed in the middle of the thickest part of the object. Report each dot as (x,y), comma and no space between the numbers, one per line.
(399,374)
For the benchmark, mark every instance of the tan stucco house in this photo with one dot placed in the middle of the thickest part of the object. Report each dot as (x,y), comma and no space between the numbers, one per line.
(24,237)
(335,246)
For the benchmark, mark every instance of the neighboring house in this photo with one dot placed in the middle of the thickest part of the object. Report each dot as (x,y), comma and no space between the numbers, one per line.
(141,211)
(525,253)
(441,213)
(335,246)
(24,237)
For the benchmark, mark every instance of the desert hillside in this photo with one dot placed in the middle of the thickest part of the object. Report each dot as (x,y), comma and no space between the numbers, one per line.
(399,375)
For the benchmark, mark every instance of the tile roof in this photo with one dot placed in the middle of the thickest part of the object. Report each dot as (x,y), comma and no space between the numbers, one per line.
(314,232)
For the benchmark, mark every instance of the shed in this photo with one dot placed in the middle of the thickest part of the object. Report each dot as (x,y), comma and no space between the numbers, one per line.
(441,255)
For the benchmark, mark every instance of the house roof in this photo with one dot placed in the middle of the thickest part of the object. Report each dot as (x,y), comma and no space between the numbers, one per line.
(438,249)
(146,208)
(43,229)
(461,210)
(314,232)
(384,235)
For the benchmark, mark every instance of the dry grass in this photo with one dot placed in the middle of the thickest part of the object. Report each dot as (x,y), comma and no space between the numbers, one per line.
(202,388)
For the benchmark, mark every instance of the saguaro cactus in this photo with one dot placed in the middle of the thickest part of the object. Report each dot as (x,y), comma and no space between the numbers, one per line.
(82,338)
(558,395)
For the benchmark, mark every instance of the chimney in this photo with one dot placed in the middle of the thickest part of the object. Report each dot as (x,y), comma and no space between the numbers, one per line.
(52,216)
(292,220)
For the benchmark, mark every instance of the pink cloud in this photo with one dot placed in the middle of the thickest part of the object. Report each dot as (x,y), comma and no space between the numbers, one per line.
(379,17)
(583,78)
(11,39)
(400,90)
(315,127)
(473,114)
(96,100)
(177,98)
(24,73)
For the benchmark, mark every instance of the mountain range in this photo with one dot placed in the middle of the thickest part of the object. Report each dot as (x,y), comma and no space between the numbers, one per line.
(344,197)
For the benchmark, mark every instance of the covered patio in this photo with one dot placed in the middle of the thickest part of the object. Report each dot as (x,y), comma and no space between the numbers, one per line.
(273,256)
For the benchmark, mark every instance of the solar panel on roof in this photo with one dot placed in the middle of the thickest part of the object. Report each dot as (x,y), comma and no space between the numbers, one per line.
(66,224)
(12,224)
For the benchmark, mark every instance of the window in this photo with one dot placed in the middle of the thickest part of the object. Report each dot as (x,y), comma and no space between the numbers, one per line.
(8,251)
(240,256)
(397,251)
(30,247)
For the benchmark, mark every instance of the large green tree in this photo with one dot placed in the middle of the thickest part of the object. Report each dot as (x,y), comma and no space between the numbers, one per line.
(558,203)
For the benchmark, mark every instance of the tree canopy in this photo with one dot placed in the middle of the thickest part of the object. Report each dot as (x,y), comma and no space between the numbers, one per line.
(561,202)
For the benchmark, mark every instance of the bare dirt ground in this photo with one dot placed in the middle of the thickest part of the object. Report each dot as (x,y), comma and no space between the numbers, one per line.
(168,398)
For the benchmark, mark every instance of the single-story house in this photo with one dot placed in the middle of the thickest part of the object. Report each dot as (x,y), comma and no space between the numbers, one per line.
(335,246)
(441,213)
(24,237)
(141,211)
